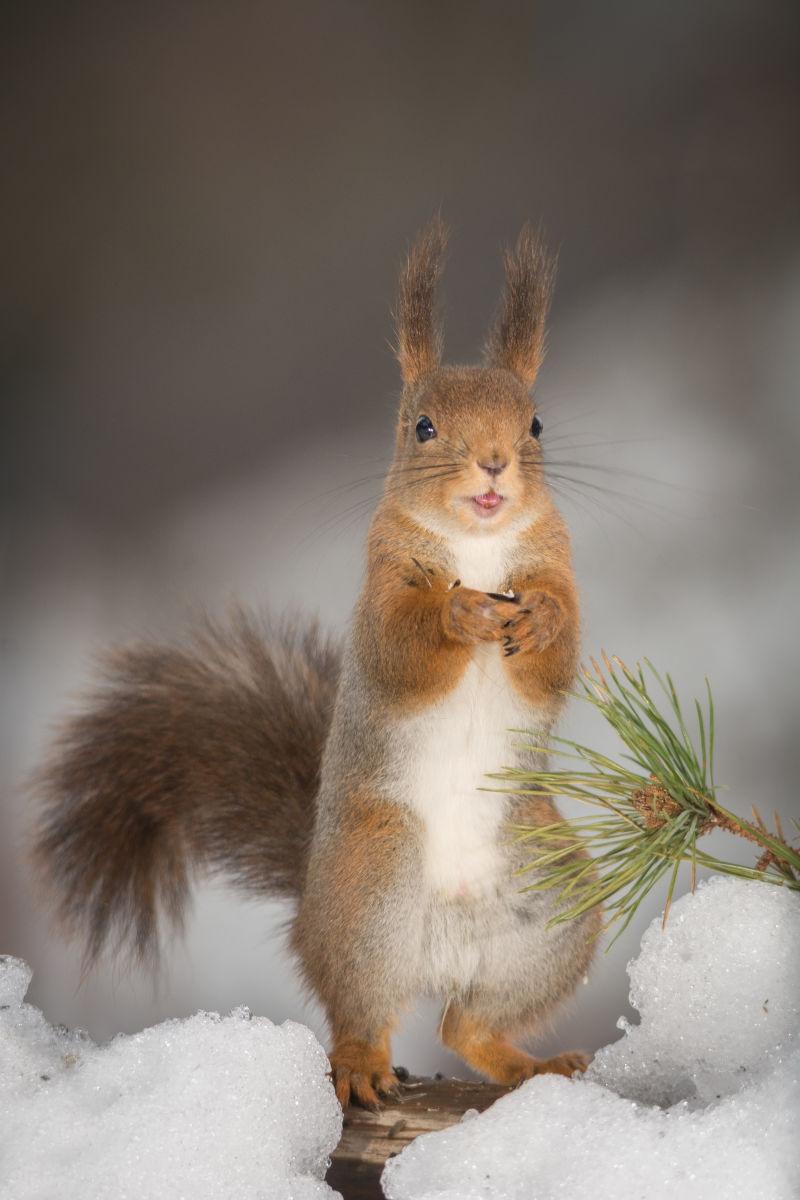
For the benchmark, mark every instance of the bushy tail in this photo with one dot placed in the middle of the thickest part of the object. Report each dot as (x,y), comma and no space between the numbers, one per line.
(204,755)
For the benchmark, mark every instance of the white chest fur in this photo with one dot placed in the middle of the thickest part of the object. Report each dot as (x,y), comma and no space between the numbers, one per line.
(483,560)
(453,746)
(449,749)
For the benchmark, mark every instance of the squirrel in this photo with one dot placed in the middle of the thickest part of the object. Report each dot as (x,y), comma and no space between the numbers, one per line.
(352,780)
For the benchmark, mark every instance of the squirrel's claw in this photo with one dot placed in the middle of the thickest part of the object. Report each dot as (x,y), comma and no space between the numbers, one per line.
(533,627)
(426,572)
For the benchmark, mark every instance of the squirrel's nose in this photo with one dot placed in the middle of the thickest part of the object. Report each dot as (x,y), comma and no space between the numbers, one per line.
(495,467)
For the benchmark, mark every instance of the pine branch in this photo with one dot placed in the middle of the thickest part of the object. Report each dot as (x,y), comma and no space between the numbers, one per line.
(654,805)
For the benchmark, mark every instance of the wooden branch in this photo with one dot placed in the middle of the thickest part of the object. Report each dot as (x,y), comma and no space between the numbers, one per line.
(368,1139)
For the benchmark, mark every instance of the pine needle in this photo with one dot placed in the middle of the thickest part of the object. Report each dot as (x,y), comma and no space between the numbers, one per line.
(653,811)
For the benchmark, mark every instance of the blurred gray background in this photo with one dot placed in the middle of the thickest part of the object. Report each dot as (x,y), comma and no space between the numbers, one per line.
(204,209)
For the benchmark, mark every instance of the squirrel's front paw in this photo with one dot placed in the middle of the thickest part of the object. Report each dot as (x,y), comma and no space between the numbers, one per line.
(470,616)
(538,619)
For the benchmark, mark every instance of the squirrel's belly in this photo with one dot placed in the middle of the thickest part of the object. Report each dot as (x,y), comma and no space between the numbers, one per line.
(443,756)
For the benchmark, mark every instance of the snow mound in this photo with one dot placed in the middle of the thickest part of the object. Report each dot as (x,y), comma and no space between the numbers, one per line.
(207,1107)
(718,994)
(700,1099)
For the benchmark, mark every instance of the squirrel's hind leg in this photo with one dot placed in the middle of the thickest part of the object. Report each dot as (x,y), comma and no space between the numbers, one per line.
(488,1050)
(354,936)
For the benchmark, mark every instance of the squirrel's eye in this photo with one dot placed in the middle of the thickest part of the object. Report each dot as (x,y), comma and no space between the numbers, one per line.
(425,429)
(536,428)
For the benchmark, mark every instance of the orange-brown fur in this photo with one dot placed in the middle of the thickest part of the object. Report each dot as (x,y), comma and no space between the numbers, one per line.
(357,864)
(302,771)
(492,1054)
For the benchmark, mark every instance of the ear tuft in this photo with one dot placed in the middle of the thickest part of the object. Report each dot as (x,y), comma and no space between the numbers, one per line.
(418,327)
(517,339)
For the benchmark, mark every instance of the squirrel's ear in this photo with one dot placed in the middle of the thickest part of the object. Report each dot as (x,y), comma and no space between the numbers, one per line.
(517,339)
(418,328)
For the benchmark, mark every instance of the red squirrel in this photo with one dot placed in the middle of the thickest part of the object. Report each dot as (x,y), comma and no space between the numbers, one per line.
(352,781)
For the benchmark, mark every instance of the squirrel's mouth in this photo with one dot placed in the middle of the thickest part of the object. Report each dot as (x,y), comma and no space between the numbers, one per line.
(487,503)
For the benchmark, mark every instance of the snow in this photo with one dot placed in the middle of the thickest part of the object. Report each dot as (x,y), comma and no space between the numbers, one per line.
(700,1099)
(229,1108)
(718,993)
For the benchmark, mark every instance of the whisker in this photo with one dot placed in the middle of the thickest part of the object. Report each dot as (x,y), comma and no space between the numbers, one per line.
(462,451)
(591,506)
(350,485)
(623,472)
(561,438)
(342,519)
(581,504)
(365,504)
(547,464)
(544,411)
(613,493)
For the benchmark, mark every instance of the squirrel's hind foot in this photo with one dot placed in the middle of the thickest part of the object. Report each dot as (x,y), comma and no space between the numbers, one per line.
(362,1075)
(563,1064)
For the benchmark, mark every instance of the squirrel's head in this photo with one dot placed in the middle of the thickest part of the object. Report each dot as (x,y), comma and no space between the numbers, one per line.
(468,455)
